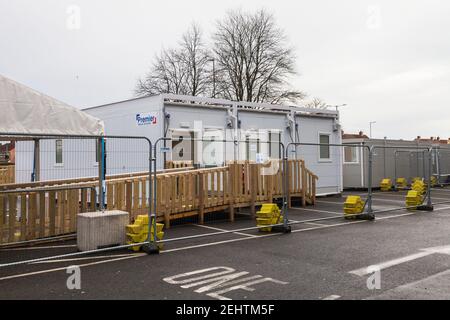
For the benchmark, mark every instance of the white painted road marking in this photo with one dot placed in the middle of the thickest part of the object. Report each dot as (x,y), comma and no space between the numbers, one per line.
(387,264)
(82,258)
(65,268)
(332,297)
(39,248)
(226,279)
(218,229)
(317,210)
(216,243)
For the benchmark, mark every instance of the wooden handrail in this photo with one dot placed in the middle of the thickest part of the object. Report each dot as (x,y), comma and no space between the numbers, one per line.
(84,179)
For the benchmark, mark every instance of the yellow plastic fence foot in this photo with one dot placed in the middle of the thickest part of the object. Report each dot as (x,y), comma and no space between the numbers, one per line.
(353,206)
(413,200)
(139,232)
(269,214)
(401,184)
(386,185)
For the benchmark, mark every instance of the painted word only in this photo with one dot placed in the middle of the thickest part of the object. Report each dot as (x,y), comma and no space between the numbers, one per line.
(215,282)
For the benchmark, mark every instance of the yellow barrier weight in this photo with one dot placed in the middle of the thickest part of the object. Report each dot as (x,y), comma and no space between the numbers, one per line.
(269,214)
(138,232)
(386,185)
(353,205)
(413,200)
(401,183)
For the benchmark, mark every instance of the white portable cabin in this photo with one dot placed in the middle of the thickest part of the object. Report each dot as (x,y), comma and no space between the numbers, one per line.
(202,130)
(27,112)
(392,159)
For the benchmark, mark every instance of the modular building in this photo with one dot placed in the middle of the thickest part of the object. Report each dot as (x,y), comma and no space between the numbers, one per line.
(391,159)
(211,132)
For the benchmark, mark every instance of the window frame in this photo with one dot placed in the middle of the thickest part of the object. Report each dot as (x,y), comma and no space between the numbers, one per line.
(357,155)
(275,132)
(320,159)
(59,164)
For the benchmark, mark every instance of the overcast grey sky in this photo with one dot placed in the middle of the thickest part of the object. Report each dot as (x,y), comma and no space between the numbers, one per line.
(389,61)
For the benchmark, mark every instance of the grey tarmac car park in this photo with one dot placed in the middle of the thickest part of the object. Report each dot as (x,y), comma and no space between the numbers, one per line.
(326,259)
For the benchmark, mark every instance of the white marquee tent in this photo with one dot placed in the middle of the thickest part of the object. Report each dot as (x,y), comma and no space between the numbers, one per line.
(26,114)
(24,110)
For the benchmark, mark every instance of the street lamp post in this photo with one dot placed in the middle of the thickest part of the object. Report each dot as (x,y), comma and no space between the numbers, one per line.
(370,126)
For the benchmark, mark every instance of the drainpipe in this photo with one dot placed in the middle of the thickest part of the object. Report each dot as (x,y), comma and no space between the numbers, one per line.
(291,127)
(233,113)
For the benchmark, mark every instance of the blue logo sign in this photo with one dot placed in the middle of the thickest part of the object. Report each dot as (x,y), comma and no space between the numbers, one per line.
(144,119)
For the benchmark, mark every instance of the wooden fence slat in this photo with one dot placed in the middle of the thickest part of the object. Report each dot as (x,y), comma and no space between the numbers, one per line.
(23,217)
(128,197)
(168,190)
(60,210)
(32,216)
(52,212)
(93,200)
(201,199)
(304,184)
(12,216)
(144,193)
(73,209)
(42,212)
(2,216)
(121,195)
(110,195)
(135,195)
(84,200)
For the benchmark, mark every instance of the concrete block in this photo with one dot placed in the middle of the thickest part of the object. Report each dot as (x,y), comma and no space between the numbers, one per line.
(101,229)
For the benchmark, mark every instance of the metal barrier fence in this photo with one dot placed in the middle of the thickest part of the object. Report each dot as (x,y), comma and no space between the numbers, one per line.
(219,184)
(68,175)
(193,196)
(441,168)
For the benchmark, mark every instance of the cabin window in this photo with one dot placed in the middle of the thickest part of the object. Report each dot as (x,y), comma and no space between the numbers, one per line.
(252,142)
(213,147)
(59,152)
(183,146)
(274,144)
(351,155)
(324,151)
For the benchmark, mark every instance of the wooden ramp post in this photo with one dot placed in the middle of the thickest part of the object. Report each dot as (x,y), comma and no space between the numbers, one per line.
(201,198)
(233,189)
(253,188)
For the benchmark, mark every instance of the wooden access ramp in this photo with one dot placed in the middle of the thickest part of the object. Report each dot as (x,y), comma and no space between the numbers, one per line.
(45,209)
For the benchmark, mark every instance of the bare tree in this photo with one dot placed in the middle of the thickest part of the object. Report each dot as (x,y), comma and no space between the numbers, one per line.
(184,70)
(196,60)
(316,103)
(250,61)
(167,75)
(254,61)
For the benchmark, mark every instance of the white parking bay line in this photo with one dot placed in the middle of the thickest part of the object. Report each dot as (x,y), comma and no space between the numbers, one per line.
(315,224)
(332,297)
(39,248)
(82,258)
(214,243)
(316,210)
(330,202)
(21,275)
(381,266)
(224,230)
